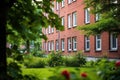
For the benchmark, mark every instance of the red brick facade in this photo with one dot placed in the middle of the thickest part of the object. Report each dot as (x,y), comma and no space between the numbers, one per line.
(78,41)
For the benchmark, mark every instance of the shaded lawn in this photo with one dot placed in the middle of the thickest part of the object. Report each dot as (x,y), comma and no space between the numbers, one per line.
(44,73)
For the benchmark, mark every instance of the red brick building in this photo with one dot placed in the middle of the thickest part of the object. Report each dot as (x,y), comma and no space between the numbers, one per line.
(71,40)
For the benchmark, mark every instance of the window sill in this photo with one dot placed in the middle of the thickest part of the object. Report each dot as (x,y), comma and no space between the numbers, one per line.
(98,50)
(116,50)
(87,23)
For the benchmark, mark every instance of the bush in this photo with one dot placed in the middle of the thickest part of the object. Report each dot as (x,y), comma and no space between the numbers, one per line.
(108,70)
(55,59)
(35,62)
(76,61)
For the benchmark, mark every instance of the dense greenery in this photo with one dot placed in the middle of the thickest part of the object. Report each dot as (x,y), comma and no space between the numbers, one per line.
(109,11)
(21,21)
(75,61)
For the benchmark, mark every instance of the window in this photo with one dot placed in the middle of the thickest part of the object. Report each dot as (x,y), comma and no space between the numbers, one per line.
(98,42)
(57,6)
(63,3)
(97,16)
(74,43)
(52,30)
(57,45)
(74,19)
(52,45)
(113,42)
(63,45)
(63,21)
(73,0)
(69,1)
(69,21)
(49,46)
(49,31)
(69,44)
(87,15)
(87,43)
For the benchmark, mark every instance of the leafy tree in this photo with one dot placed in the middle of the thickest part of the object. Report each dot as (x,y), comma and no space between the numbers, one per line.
(22,20)
(109,11)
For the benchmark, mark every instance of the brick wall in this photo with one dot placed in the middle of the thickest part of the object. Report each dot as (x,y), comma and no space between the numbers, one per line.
(78,7)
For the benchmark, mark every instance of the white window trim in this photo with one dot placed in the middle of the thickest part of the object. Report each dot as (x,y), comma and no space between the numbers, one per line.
(57,6)
(63,21)
(87,15)
(52,30)
(87,40)
(49,29)
(97,17)
(63,44)
(69,1)
(74,42)
(111,42)
(49,46)
(74,19)
(52,45)
(69,43)
(63,3)
(69,21)
(98,49)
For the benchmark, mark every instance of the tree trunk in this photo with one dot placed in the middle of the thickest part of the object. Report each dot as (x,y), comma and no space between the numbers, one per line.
(28,46)
(3,64)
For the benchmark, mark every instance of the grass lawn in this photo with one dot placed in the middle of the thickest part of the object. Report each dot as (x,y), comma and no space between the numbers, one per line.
(44,73)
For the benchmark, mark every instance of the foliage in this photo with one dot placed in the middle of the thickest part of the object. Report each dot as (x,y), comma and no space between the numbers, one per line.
(108,70)
(34,62)
(69,75)
(14,71)
(55,59)
(109,11)
(76,61)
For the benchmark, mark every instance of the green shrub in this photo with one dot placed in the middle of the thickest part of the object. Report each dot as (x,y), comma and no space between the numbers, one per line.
(76,61)
(108,70)
(35,62)
(55,59)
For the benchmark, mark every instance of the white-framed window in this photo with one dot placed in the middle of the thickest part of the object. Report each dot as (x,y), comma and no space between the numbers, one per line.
(52,30)
(69,44)
(69,1)
(74,19)
(57,6)
(97,17)
(57,45)
(98,42)
(113,41)
(69,21)
(49,46)
(87,43)
(63,21)
(63,3)
(74,44)
(87,15)
(62,44)
(52,45)
(49,29)
(73,0)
